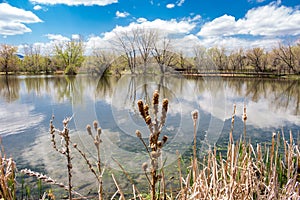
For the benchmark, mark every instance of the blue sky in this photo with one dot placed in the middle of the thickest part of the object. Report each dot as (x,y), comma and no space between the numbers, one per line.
(228,23)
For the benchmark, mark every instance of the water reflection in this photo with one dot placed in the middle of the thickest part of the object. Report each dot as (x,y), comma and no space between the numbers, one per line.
(27,103)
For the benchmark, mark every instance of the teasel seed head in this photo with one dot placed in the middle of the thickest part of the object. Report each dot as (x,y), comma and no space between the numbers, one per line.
(89,129)
(165,105)
(141,108)
(95,123)
(155,97)
(148,120)
(99,131)
(194,114)
(146,109)
(159,144)
(155,154)
(138,134)
(144,166)
(164,139)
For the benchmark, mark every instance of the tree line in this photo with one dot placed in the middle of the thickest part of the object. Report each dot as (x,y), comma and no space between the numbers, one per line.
(137,50)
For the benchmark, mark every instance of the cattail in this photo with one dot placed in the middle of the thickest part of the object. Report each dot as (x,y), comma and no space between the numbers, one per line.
(89,129)
(141,108)
(144,166)
(95,123)
(138,134)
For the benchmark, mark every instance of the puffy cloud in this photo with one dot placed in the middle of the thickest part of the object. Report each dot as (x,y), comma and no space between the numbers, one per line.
(121,14)
(57,37)
(270,20)
(75,2)
(13,20)
(167,26)
(37,7)
(170,5)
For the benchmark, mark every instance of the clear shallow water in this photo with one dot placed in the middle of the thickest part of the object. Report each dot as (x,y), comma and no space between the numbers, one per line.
(28,102)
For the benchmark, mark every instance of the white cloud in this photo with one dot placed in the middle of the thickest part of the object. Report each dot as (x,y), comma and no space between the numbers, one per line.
(75,2)
(121,14)
(57,37)
(180,2)
(170,5)
(141,20)
(37,7)
(166,26)
(13,20)
(270,20)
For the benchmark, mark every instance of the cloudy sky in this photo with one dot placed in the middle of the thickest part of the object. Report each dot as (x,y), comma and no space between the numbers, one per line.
(228,23)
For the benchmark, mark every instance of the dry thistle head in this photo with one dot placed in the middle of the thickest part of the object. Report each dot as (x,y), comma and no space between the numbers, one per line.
(141,108)
(138,134)
(155,97)
(144,166)
(165,104)
(194,115)
(95,123)
(89,129)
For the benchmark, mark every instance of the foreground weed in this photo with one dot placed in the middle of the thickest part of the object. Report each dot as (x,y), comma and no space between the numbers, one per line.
(155,145)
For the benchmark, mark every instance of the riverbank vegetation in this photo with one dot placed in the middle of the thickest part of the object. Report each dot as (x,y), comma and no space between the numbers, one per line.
(147,51)
(243,171)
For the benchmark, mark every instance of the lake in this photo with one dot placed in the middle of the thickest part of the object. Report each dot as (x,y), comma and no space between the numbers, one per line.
(28,102)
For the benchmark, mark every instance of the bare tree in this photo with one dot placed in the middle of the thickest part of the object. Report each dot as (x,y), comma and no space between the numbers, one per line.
(7,57)
(127,42)
(99,62)
(256,58)
(287,56)
(163,55)
(237,60)
(219,57)
(145,43)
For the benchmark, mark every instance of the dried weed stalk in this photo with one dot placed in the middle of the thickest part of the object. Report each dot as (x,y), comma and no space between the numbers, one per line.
(155,145)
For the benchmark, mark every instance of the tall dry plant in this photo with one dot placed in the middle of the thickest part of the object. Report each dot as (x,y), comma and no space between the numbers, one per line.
(7,176)
(64,149)
(154,149)
(249,173)
(97,141)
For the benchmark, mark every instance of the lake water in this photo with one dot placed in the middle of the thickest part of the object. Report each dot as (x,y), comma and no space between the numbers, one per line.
(28,102)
